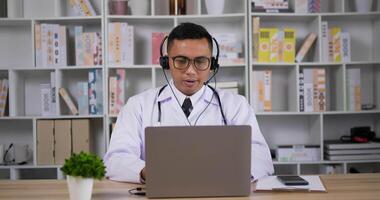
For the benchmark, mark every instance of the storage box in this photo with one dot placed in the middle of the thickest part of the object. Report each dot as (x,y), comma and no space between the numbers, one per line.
(62,141)
(297,153)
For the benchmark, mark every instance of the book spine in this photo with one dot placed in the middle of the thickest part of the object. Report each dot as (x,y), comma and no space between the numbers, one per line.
(274,44)
(100,49)
(305,47)
(44,44)
(120,89)
(325,41)
(112,95)
(37,41)
(289,47)
(321,90)
(50,45)
(264,45)
(301,91)
(69,102)
(308,90)
(92,92)
(74,5)
(111,43)
(4,85)
(86,8)
(255,37)
(118,43)
(354,89)
(45,99)
(335,33)
(95,50)
(130,45)
(63,45)
(88,55)
(346,47)
(56,45)
(53,90)
(257,90)
(301,6)
(99,91)
(82,95)
(267,90)
(79,48)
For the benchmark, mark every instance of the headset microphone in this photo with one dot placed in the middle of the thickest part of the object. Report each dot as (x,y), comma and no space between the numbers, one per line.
(213,75)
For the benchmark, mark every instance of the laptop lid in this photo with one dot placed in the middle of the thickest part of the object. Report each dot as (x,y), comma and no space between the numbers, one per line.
(198,161)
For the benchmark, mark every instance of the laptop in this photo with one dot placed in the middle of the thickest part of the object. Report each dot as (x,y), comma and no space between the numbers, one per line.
(198,161)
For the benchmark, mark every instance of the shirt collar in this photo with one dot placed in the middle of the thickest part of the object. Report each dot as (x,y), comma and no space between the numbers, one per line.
(167,94)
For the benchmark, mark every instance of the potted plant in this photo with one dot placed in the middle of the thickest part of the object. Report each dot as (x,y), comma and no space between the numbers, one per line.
(81,170)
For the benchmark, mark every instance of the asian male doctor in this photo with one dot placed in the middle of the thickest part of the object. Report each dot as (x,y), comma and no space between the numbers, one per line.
(186,100)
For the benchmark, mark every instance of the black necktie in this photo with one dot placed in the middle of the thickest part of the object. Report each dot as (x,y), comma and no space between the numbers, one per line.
(187,107)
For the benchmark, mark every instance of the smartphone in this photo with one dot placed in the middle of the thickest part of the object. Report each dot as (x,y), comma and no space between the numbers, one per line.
(292,180)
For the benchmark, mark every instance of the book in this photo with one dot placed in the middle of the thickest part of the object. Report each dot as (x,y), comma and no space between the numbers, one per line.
(53,92)
(353,157)
(308,90)
(46,99)
(314,6)
(296,153)
(335,37)
(262,90)
(95,92)
(230,48)
(120,89)
(301,92)
(274,45)
(4,86)
(325,41)
(305,47)
(121,44)
(264,45)
(37,44)
(79,46)
(82,98)
(319,89)
(255,37)
(157,38)
(112,95)
(300,6)
(82,7)
(338,145)
(352,151)
(289,45)
(346,47)
(353,85)
(68,100)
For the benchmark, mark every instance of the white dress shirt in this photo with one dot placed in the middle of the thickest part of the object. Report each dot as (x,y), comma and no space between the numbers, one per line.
(126,153)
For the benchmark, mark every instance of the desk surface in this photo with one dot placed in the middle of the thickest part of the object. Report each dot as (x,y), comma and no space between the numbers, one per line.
(348,186)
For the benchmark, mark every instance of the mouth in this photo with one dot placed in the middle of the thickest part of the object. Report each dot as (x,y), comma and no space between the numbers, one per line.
(189,83)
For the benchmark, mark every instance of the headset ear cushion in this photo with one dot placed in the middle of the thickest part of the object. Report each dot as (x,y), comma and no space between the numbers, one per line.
(164,62)
(214,63)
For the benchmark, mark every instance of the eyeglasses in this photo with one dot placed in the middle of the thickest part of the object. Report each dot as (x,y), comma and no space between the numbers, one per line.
(200,63)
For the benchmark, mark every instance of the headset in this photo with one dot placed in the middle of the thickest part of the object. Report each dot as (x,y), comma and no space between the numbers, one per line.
(164,62)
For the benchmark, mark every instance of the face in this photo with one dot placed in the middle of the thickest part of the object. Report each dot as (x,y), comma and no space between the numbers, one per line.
(189,80)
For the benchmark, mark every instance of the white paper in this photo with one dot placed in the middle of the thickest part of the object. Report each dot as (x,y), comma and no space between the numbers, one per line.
(272,183)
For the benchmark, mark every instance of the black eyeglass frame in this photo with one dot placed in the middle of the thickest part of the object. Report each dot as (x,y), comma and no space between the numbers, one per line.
(194,63)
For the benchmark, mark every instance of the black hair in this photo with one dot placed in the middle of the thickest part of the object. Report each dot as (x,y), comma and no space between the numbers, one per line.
(188,30)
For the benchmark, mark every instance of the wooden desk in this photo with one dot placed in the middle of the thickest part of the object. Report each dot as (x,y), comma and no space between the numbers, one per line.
(349,186)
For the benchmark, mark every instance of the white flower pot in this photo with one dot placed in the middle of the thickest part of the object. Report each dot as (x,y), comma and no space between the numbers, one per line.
(80,188)
(363,5)
(214,7)
(139,7)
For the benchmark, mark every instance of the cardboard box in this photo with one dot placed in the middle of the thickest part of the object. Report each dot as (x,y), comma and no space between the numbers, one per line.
(81,135)
(62,141)
(45,142)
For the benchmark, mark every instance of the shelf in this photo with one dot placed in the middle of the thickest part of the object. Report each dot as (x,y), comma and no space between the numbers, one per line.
(71,117)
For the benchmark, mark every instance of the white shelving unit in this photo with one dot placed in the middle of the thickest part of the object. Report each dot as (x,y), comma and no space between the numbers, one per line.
(285,125)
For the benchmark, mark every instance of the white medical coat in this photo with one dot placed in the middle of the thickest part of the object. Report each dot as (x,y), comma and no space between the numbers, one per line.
(126,153)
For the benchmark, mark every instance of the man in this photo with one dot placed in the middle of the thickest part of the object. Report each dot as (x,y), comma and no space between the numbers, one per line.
(189,60)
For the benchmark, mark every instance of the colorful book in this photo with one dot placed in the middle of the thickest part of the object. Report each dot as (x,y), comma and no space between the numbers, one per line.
(305,47)
(53,92)
(353,86)
(319,90)
(289,45)
(157,38)
(82,98)
(335,37)
(264,45)
(120,89)
(346,47)
(301,92)
(325,41)
(37,44)
(274,45)
(255,37)
(262,90)
(95,92)
(112,95)
(68,100)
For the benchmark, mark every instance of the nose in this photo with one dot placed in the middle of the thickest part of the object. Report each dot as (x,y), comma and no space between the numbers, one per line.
(191,69)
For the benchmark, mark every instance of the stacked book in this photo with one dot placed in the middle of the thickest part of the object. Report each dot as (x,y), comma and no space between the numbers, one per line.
(120,44)
(50,45)
(270,6)
(312,90)
(337,150)
(88,47)
(273,44)
(336,44)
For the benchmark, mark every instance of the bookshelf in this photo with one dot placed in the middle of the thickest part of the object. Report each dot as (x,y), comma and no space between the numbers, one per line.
(279,127)
(285,124)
